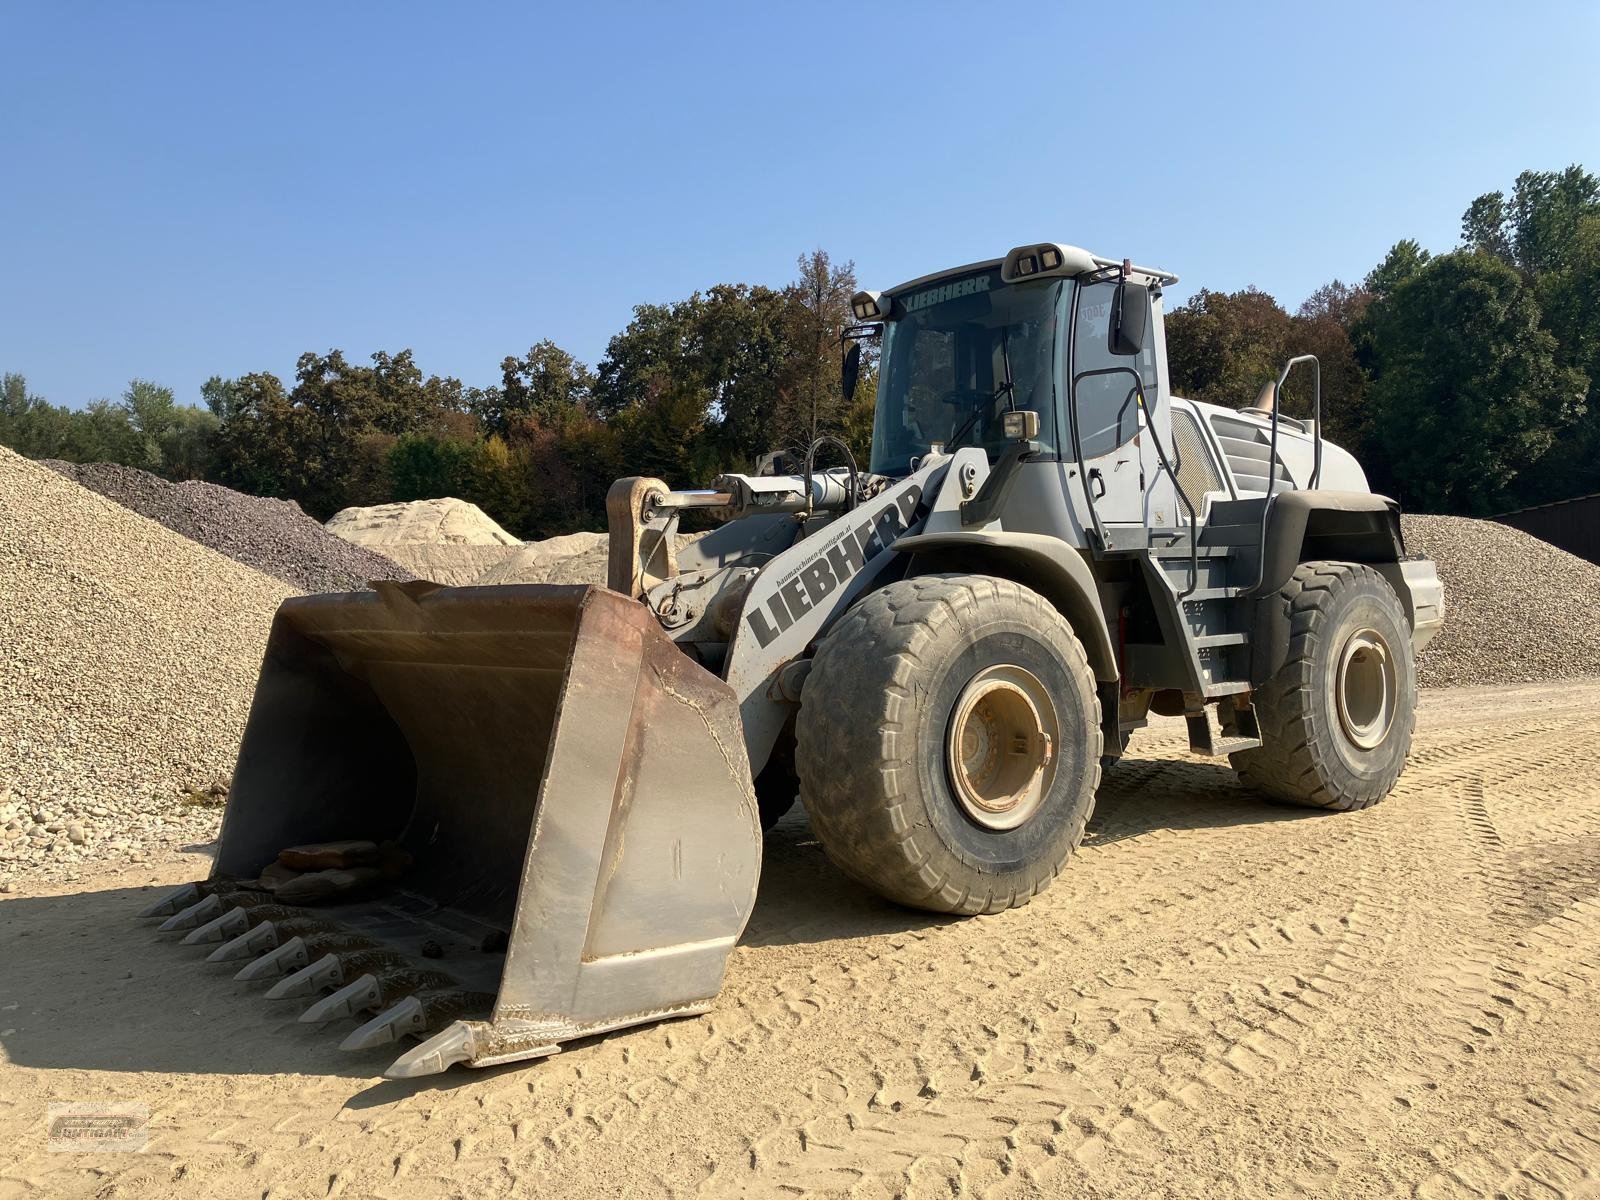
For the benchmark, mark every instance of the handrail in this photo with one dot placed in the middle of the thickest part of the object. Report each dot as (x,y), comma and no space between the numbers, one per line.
(1161,454)
(1272,454)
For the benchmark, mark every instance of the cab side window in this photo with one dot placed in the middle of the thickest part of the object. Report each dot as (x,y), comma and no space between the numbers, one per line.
(1107,407)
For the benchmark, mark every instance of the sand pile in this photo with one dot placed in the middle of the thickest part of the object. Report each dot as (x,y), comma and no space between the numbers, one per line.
(571,558)
(447,540)
(128,656)
(275,536)
(1516,609)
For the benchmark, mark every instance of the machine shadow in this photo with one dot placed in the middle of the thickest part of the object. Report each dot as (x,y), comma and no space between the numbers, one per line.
(804,898)
(86,985)
(1140,796)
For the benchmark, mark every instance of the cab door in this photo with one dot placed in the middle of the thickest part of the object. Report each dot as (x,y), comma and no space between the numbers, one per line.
(1113,467)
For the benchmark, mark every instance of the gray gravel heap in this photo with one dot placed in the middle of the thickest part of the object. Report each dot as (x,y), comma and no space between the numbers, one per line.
(1516,609)
(274,536)
(128,656)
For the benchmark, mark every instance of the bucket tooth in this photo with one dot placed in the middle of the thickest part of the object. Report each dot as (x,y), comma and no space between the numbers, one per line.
(246,915)
(248,944)
(197,913)
(309,980)
(229,925)
(443,1050)
(289,956)
(392,1024)
(173,901)
(441,1004)
(360,995)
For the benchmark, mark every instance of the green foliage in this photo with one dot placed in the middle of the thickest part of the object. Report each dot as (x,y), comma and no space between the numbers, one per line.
(1537,227)
(857,432)
(1404,261)
(326,443)
(171,440)
(1224,346)
(545,384)
(146,429)
(1468,393)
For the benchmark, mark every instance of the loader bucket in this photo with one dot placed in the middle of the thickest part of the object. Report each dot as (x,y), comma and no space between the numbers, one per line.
(567,828)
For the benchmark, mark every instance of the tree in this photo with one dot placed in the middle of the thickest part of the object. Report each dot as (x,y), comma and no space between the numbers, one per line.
(221,397)
(1222,346)
(725,357)
(1569,297)
(1467,392)
(1537,228)
(545,383)
(1405,260)
(819,303)
(150,412)
(326,443)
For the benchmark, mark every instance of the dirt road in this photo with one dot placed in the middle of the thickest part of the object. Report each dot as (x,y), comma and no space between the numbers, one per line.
(1218,998)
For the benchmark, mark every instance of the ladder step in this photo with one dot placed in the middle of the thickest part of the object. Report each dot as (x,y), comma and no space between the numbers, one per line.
(1210,736)
(1226,687)
(1167,553)
(1222,747)
(1208,640)
(1212,593)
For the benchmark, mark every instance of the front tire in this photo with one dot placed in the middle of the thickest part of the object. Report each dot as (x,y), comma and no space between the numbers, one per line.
(1337,717)
(949,743)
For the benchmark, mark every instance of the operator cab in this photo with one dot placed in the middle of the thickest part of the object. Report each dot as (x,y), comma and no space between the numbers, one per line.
(1049,329)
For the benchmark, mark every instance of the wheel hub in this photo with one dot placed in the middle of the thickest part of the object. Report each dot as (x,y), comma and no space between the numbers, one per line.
(1366,688)
(1000,746)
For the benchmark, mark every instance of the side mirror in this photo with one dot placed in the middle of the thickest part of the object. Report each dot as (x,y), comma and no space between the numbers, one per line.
(1130,318)
(850,371)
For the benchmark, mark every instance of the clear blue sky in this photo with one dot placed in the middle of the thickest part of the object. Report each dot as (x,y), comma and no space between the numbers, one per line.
(189,189)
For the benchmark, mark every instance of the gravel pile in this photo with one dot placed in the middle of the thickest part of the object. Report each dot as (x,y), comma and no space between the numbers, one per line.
(274,536)
(1516,609)
(128,656)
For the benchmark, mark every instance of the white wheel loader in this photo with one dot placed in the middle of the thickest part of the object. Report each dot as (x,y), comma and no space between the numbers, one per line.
(496,819)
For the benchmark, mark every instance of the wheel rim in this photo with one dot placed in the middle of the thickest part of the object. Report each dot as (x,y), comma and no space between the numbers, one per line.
(1366,688)
(1000,746)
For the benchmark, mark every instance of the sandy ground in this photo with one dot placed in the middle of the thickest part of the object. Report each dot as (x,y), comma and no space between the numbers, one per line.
(1219,998)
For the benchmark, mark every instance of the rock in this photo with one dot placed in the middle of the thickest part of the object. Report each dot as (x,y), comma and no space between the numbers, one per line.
(324,855)
(315,886)
(75,833)
(275,875)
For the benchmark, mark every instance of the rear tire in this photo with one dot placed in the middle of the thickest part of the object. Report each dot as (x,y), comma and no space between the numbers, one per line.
(949,743)
(1336,718)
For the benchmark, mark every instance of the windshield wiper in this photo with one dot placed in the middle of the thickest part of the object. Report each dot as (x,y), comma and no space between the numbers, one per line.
(1006,388)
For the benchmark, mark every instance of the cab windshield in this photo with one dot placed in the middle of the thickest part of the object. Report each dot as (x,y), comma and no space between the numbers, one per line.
(959,354)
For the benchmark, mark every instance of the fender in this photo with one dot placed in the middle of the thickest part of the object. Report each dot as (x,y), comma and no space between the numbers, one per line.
(1357,527)
(1352,527)
(1047,565)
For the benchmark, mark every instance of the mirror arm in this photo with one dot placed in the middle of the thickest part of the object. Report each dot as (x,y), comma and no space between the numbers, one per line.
(991,497)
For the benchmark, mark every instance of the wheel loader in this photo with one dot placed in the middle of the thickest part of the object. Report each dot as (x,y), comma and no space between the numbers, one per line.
(485,821)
